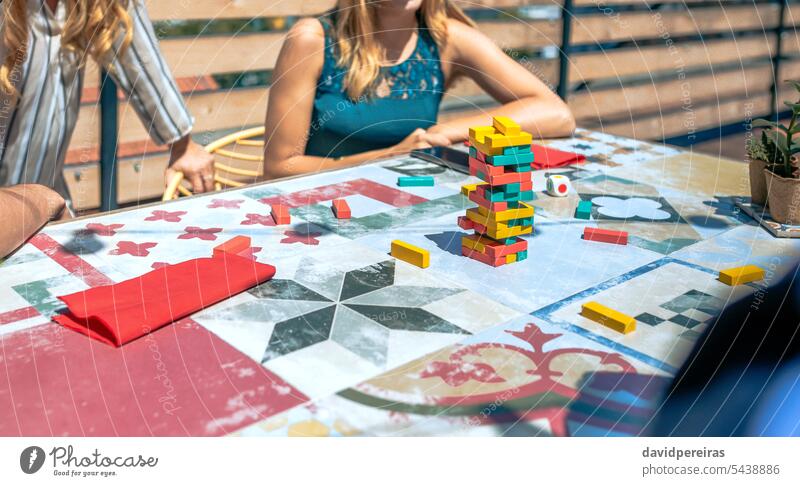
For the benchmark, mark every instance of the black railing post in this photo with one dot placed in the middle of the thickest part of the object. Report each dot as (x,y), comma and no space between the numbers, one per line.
(776,62)
(564,53)
(108,143)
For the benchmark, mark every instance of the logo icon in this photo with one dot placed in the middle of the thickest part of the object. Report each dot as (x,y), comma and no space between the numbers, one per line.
(31,459)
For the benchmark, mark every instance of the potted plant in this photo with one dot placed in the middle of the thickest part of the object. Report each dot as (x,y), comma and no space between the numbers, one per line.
(778,151)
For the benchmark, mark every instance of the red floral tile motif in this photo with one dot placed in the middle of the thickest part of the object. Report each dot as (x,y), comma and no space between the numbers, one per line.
(206,234)
(306,238)
(103,229)
(225,203)
(168,216)
(132,249)
(262,219)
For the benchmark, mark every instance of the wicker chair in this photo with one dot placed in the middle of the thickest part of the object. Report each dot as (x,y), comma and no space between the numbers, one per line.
(225,175)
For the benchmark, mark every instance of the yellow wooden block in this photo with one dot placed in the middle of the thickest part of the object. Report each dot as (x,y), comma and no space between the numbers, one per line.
(506,125)
(496,140)
(503,233)
(511,258)
(468,188)
(473,244)
(411,254)
(478,133)
(524,211)
(608,317)
(741,275)
(485,148)
(490,222)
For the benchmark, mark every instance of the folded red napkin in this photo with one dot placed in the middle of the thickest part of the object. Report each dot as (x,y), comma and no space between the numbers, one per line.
(117,314)
(550,158)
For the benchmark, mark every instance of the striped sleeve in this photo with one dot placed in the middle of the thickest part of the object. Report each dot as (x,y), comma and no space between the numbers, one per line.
(144,76)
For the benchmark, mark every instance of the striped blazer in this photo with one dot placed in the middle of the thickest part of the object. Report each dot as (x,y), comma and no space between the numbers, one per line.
(36,127)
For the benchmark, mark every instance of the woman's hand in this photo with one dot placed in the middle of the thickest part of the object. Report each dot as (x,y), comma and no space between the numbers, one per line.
(196,164)
(419,139)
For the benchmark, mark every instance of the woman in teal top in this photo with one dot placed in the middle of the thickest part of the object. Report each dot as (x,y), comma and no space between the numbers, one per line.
(366,81)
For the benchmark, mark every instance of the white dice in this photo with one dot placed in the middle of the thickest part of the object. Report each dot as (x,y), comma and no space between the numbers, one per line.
(558,185)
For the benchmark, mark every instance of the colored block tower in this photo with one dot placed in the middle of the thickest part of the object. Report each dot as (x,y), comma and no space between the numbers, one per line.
(501,156)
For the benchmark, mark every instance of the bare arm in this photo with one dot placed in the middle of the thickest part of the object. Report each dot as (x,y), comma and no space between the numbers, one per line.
(24,209)
(524,97)
(291,101)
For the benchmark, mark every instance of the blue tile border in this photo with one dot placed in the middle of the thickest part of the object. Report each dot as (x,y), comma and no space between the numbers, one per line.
(545,313)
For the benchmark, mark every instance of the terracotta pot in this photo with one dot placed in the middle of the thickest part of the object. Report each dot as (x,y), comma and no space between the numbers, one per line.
(784,198)
(758,182)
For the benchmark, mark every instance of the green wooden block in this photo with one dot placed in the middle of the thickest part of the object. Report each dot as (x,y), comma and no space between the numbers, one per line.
(584,210)
(516,159)
(518,149)
(522,255)
(415,181)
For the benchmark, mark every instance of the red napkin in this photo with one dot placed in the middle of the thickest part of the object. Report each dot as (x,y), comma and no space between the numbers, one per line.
(550,158)
(117,314)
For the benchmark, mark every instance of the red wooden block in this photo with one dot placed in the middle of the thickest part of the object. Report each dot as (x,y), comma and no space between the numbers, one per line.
(233,246)
(605,236)
(495,249)
(478,199)
(476,165)
(475,255)
(497,175)
(465,223)
(523,178)
(340,209)
(280,213)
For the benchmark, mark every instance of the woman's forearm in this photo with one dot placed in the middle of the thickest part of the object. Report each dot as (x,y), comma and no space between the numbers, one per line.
(544,119)
(23,211)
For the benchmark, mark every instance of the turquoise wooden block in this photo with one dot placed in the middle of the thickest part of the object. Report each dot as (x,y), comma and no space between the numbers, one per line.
(415,181)
(584,210)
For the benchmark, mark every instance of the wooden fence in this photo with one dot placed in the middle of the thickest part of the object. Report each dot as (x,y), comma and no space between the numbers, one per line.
(659,70)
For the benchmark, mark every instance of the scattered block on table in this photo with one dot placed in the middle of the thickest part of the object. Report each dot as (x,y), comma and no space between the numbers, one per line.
(741,275)
(233,246)
(558,185)
(411,254)
(340,209)
(280,213)
(466,189)
(605,236)
(584,210)
(506,125)
(415,181)
(608,317)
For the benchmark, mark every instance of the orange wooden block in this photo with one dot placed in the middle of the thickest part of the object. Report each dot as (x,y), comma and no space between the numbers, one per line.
(280,213)
(605,236)
(233,246)
(340,209)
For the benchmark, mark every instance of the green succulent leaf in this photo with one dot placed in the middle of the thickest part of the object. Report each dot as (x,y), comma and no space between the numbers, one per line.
(794,83)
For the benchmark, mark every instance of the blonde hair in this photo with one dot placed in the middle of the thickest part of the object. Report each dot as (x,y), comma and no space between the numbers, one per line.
(92,27)
(363,55)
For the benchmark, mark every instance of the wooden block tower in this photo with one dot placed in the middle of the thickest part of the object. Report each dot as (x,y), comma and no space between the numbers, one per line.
(501,156)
